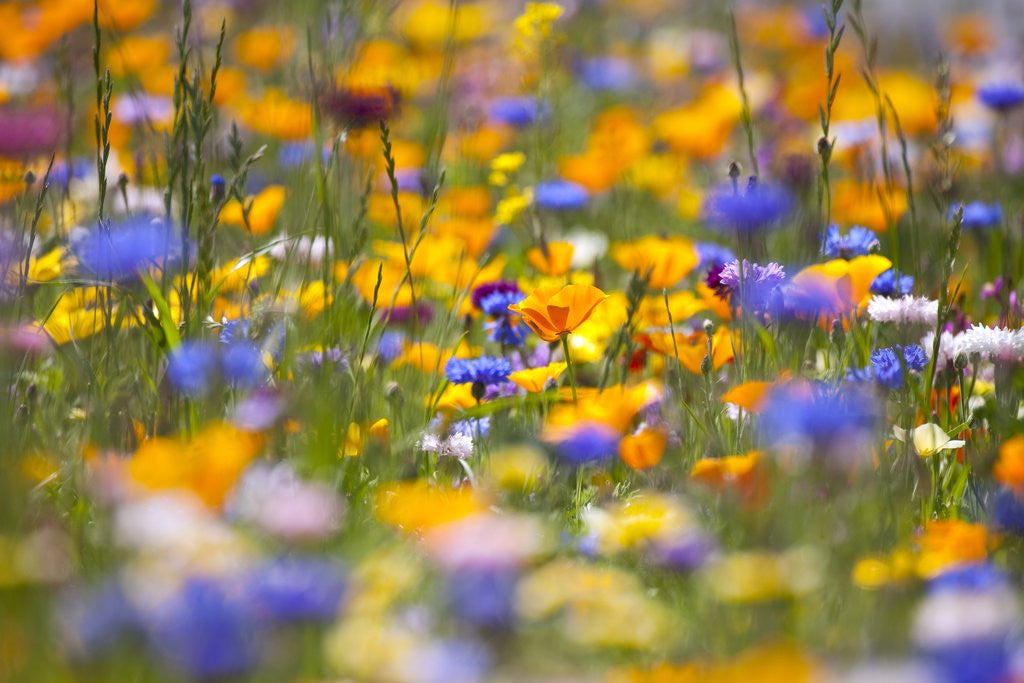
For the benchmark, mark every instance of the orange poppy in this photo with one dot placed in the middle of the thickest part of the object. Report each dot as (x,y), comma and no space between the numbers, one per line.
(552,312)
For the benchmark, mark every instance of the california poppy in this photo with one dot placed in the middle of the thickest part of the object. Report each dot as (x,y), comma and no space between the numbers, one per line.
(552,312)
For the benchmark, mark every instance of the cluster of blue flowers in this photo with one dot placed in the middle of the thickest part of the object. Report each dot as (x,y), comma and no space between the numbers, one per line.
(887,364)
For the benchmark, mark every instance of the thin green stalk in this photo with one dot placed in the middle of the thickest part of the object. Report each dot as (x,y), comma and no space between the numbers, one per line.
(568,361)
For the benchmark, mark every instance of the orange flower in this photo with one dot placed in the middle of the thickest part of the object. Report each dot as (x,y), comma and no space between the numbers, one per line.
(554,260)
(552,312)
(644,449)
(667,260)
(1009,469)
(690,349)
(749,395)
(718,472)
(535,380)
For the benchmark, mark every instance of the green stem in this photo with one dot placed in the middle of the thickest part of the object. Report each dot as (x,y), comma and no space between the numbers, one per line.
(568,361)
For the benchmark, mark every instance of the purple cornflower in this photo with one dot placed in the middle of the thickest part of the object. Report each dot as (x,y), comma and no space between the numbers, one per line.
(559,195)
(756,286)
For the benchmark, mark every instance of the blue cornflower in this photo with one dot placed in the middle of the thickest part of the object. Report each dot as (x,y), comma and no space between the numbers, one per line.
(888,364)
(93,621)
(484,370)
(588,443)
(294,154)
(607,73)
(858,242)
(234,330)
(207,631)
(971,577)
(559,195)
(484,596)
(760,206)
(892,283)
(121,251)
(192,367)
(390,345)
(1002,96)
(915,358)
(1008,511)
(819,416)
(497,303)
(243,366)
(481,292)
(508,330)
(978,215)
(517,111)
(293,588)
(888,371)
(858,375)
(711,254)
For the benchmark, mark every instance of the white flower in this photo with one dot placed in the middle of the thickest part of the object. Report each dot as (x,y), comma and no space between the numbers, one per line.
(947,347)
(928,439)
(958,616)
(908,309)
(458,445)
(997,343)
(588,246)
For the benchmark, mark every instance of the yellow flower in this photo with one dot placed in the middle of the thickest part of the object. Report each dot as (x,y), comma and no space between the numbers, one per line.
(517,468)
(537,19)
(430,23)
(509,162)
(262,210)
(513,204)
(418,505)
(552,312)
(535,380)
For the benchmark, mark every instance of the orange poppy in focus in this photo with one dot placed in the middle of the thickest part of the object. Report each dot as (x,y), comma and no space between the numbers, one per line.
(552,312)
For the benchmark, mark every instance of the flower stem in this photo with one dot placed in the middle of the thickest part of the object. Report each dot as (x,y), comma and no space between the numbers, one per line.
(568,361)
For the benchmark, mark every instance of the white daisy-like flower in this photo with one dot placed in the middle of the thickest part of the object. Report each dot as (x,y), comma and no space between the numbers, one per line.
(458,445)
(996,343)
(907,309)
(947,347)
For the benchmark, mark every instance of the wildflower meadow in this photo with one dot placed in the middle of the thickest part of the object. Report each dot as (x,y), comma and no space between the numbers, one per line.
(445,341)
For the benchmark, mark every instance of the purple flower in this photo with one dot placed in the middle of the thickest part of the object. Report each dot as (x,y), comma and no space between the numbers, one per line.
(484,596)
(754,290)
(607,73)
(207,631)
(295,588)
(28,132)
